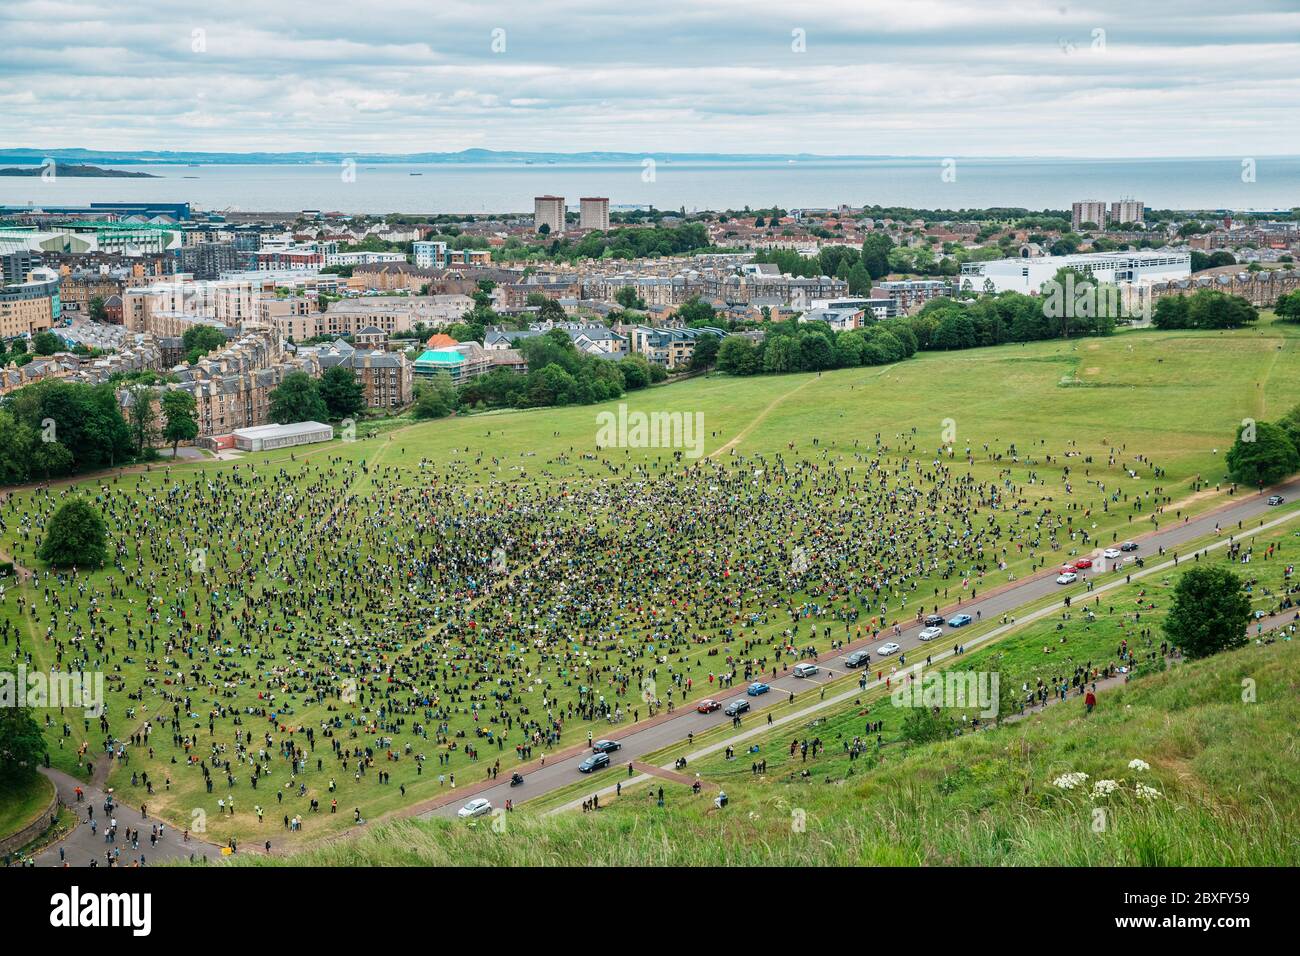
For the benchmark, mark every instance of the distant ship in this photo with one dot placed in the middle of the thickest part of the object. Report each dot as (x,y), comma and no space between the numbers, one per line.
(416,174)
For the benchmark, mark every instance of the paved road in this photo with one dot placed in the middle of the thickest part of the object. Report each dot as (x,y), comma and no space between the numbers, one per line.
(84,844)
(651,736)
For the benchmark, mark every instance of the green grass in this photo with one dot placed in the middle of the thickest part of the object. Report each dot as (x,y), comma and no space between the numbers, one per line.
(1226,771)
(609,552)
(22,801)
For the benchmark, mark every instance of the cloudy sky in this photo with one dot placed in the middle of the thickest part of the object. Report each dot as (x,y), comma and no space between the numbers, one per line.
(905,77)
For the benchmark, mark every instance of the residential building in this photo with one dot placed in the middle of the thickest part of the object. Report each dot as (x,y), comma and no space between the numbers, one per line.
(548,211)
(593,213)
(1090,210)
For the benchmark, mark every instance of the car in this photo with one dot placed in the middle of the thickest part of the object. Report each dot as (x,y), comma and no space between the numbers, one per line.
(594,762)
(606,746)
(884,650)
(930,633)
(805,670)
(1129,546)
(1069,577)
(1110,554)
(475,808)
(737,707)
(1066,569)
(708,706)
(933,620)
(756,688)
(1275,499)
(1082,563)
(959,620)
(857,659)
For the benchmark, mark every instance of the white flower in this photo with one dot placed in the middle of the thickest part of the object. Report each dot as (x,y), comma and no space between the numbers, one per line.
(1068,781)
(1138,764)
(1148,793)
(1104,787)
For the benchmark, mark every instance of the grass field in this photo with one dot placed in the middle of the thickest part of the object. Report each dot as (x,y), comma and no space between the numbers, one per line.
(427,601)
(1223,772)
(22,802)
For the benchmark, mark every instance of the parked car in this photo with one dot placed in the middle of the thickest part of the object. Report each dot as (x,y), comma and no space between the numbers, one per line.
(930,633)
(933,620)
(708,706)
(805,670)
(594,762)
(884,650)
(1275,499)
(959,620)
(1129,546)
(1082,563)
(475,808)
(1110,554)
(606,746)
(756,688)
(857,659)
(737,707)
(1069,577)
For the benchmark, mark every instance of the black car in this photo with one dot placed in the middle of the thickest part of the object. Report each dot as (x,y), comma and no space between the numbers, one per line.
(1129,546)
(934,620)
(858,659)
(736,707)
(1275,499)
(594,762)
(606,746)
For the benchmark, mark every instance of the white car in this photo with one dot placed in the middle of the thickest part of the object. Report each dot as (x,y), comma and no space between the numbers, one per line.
(885,649)
(1110,554)
(930,633)
(1069,577)
(475,808)
(805,670)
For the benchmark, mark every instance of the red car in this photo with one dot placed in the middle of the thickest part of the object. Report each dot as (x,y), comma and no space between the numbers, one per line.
(708,706)
(1083,563)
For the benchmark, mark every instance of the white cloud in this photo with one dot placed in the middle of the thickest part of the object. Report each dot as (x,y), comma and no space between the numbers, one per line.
(931,77)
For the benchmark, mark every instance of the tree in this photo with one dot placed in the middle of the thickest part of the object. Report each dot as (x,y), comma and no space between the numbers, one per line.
(76,536)
(1262,454)
(1210,612)
(435,399)
(706,352)
(199,340)
(297,399)
(143,419)
(96,309)
(626,297)
(21,743)
(1288,306)
(178,413)
(46,343)
(342,393)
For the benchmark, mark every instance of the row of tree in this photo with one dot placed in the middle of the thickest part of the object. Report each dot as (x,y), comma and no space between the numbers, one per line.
(1203,309)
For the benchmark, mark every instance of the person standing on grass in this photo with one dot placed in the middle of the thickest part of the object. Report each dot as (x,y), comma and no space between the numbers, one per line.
(1090,701)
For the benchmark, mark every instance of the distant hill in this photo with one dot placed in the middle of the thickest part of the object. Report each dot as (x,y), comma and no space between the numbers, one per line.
(166,157)
(76,171)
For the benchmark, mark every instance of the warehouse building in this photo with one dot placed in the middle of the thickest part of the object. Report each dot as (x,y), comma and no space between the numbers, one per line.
(270,437)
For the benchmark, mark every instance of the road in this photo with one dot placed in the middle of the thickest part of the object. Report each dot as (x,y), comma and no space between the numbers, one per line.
(651,736)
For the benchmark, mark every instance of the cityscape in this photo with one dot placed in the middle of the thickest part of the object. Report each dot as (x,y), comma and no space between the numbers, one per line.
(410,475)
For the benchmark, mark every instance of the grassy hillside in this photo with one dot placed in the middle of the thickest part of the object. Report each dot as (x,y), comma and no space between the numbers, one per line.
(249,598)
(1225,769)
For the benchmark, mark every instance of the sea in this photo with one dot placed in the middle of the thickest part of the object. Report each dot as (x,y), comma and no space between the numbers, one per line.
(1233,183)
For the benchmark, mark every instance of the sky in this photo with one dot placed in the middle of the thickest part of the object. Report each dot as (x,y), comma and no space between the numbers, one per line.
(909,77)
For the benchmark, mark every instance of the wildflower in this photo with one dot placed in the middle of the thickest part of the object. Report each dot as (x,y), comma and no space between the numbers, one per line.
(1068,781)
(1147,793)
(1138,764)
(1104,788)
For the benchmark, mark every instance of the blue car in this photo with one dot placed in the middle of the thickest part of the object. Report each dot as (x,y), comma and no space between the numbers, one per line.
(757,688)
(959,620)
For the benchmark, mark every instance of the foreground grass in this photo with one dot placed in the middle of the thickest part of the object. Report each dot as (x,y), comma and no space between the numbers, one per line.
(1218,736)
(22,801)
